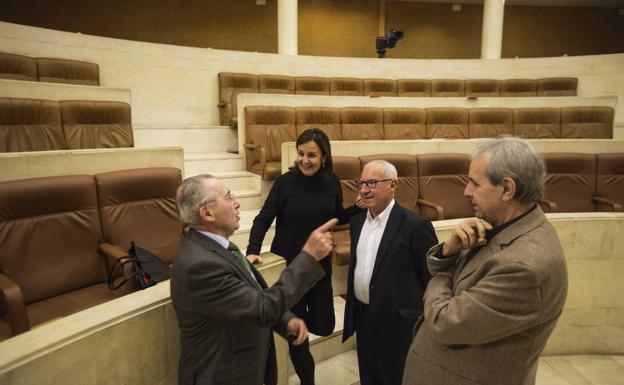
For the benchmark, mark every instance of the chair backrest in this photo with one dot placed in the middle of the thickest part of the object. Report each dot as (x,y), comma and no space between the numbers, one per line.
(405,123)
(490,122)
(557,86)
(406,193)
(230,85)
(346,86)
(49,235)
(539,123)
(414,87)
(361,123)
(68,71)
(482,87)
(442,179)
(139,205)
(447,122)
(269,127)
(380,87)
(325,118)
(518,87)
(276,84)
(587,122)
(311,85)
(17,67)
(30,125)
(96,124)
(570,181)
(348,170)
(447,87)
(610,177)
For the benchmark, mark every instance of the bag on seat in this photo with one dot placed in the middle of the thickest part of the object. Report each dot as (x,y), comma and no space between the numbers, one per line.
(147,269)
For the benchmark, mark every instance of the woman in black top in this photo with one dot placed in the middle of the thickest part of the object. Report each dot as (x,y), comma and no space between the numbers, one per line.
(302,199)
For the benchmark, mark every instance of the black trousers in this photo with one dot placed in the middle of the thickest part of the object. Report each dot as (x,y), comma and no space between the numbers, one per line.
(379,364)
(316,308)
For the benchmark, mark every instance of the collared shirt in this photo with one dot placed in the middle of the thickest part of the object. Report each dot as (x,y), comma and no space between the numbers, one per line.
(221,241)
(366,250)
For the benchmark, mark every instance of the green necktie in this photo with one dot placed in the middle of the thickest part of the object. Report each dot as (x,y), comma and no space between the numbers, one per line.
(236,251)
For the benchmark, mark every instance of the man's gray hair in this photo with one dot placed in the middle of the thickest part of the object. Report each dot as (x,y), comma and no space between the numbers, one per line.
(190,196)
(387,168)
(517,159)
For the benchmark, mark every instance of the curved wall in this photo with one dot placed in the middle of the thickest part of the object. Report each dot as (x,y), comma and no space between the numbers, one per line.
(177,86)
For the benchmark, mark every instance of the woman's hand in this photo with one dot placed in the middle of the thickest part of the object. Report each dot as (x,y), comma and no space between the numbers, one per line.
(254,259)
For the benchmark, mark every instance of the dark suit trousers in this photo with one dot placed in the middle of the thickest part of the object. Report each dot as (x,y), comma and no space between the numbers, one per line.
(377,365)
(316,308)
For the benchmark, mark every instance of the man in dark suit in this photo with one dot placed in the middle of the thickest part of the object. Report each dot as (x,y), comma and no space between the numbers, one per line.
(387,276)
(225,311)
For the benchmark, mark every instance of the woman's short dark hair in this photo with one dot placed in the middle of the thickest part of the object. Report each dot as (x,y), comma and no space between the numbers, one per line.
(322,141)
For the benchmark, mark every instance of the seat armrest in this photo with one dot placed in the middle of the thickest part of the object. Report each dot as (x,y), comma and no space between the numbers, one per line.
(607,202)
(221,104)
(548,206)
(255,153)
(439,210)
(13,300)
(112,254)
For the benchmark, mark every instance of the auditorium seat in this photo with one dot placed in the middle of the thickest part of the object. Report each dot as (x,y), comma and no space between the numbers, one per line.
(267,128)
(17,67)
(447,87)
(96,124)
(325,118)
(447,122)
(348,170)
(68,71)
(230,85)
(482,88)
(490,122)
(311,85)
(557,86)
(609,182)
(361,123)
(140,205)
(570,181)
(50,266)
(404,123)
(442,179)
(538,123)
(518,87)
(276,84)
(414,87)
(380,87)
(30,125)
(587,122)
(346,87)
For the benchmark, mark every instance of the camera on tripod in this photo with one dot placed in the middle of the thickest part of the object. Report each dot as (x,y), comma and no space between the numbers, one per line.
(388,41)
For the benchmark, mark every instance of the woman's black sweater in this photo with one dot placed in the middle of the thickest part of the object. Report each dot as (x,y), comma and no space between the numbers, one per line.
(301,204)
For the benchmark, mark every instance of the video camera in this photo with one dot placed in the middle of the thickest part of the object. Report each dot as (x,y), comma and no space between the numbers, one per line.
(388,41)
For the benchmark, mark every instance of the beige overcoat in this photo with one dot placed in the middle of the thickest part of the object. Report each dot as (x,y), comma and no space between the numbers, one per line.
(488,324)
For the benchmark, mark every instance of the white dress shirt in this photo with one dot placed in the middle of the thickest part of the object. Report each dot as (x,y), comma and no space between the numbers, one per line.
(366,251)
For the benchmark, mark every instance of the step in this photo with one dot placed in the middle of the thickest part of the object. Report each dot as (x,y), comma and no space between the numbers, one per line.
(239,180)
(192,138)
(249,199)
(212,162)
(241,236)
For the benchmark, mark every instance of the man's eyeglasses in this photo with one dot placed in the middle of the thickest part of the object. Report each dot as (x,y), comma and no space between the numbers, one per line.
(371,183)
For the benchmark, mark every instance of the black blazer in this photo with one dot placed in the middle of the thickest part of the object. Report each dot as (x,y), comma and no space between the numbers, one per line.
(399,278)
(226,320)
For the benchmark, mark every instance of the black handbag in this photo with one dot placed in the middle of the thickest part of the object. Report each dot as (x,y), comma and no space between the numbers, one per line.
(147,269)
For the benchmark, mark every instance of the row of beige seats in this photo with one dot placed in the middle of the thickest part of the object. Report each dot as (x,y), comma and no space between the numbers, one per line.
(433,185)
(266,128)
(61,234)
(232,84)
(42,125)
(45,69)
